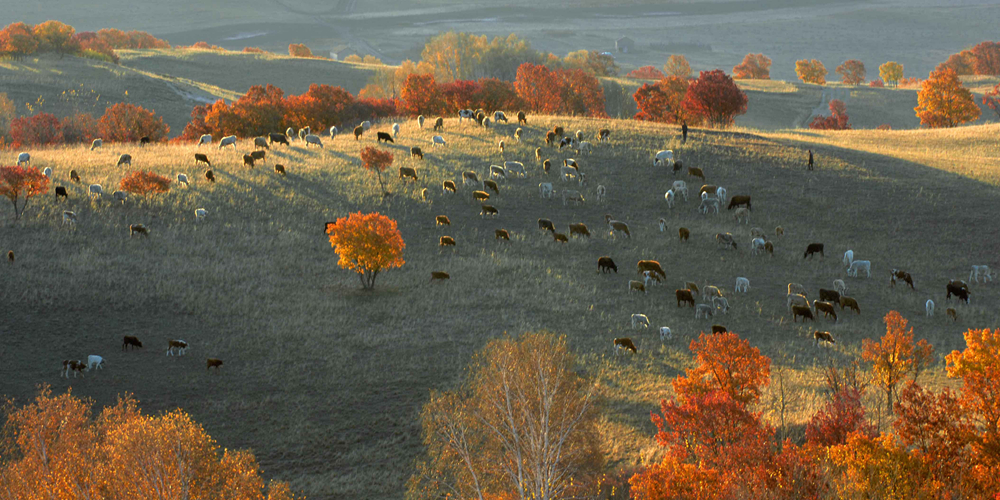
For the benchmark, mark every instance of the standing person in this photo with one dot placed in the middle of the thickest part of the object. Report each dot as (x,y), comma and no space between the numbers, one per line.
(684,132)
(810,159)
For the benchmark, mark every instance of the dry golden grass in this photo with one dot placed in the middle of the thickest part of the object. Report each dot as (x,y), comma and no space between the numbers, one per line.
(325,381)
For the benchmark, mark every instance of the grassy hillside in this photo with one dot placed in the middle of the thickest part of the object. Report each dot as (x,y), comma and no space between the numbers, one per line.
(325,381)
(171,82)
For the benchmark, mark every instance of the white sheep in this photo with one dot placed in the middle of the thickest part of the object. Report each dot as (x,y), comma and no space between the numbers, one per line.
(665,333)
(182,179)
(721,194)
(742,285)
(703,310)
(229,140)
(437,139)
(334,131)
(313,139)
(545,189)
(516,167)
(978,271)
(366,125)
(669,196)
(395,130)
(929,307)
(124,159)
(840,286)
(721,303)
(47,172)
(120,196)
(681,188)
(94,362)
(663,225)
(583,146)
(24,158)
(96,143)
(663,158)
(602,192)
(200,213)
(96,189)
(848,257)
(420,121)
(757,246)
(205,139)
(69,218)
(640,319)
(858,265)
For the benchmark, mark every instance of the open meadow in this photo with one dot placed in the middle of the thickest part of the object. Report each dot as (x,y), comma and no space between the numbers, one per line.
(325,381)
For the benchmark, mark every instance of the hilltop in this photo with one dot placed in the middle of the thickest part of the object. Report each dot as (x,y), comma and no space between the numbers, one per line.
(325,382)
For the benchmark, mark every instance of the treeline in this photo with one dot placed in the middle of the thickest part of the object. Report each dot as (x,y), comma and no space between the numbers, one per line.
(19,40)
(525,423)
(122,122)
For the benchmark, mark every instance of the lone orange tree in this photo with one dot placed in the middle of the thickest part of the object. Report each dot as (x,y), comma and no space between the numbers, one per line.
(22,183)
(944,102)
(142,183)
(368,244)
(811,71)
(376,160)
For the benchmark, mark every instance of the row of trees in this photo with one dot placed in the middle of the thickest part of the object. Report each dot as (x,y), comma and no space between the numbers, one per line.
(983,59)
(18,40)
(56,447)
(122,122)
(713,98)
(523,424)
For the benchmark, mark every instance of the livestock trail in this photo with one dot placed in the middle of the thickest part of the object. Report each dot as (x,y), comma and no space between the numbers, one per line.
(325,381)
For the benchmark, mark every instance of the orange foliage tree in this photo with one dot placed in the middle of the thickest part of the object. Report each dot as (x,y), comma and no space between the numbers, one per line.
(461,94)
(963,63)
(852,72)
(538,88)
(422,96)
(581,94)
(497,94)
(662,102)
(368,244)
(838,418)
(986,58)
(891,72)
(37,130)
(991,99)
(119,39)
(944,102)
(727,363)
(753,67)
(715,96)
(58,450)
(126,122)
(319,108)
(895,357)
(17,40)
(677,65)
(979,368)
(94,47)
(142,183)
(299,50)
(22,183)
(646,73)
(54,36)
(811,71)
(376,160)
(877,467)
(837,119)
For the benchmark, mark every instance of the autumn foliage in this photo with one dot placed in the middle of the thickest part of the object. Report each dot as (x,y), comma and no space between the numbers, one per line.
(646,73)
(124,122)
(715,96)
(571,92)
(41,129)
(852,72)
(377,161)
(944,102)
(20,184)
(677,65)
(837,119)
(991,99)
(368,244)
(18,40)
(983,59)
(142,183)
(662,102)
(891,72)
(299,50)
(422,96)
(753,67)
(59,449)
(811,71)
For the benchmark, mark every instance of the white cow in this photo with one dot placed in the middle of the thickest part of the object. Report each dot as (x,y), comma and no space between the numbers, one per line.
(858,265)
(929,306)
(664,158)
(848,257)
(24,158)
(229,140)
(395,130)
(640,319)
(545,190)
(205,139)
(94,362)
(742,285)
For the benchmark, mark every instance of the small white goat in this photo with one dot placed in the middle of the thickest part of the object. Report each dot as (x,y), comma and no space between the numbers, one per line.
(978,271)
(182,179)
(47,172)
(640,319)
(205,139)
(742,285)
(395,130)
(721,194)
(669,196)
(69,218)
(663,225)
(721,303)
(602,193)
(334,131)
(703,310)
(757,246)
(98,143)
(24,158)
(665,333)
(515,167)
(681,188)
(313,139)
(929,306)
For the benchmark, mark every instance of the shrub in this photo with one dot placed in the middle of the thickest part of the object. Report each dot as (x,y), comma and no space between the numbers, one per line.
(753,67)
(646,73)
(254,50)
(299,50)
(38,130)
(986,56)
(962,63)
(377,161)
(811,71)
(79,128)
(878,83)
(354,58)
(126,122)
(991,100)
(142,183)
(884,126)
(837,419)
(837,119)
(370,59)
(368,244)
(204,46)
(8,111)
(118,39)
(54,36)
(909,82)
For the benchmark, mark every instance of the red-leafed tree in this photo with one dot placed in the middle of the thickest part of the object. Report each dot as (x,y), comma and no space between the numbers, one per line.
(81,127)
(753,67)
(986,58)
(461,94)
(17,40)
(319,108)
(646,73)
(538,88)
(991,99)
(838,418)
(126,122)
(197,125)
(422,96)
(143,183)
(95,47)
(367,244)
(37,130)
(895,357)
(715,96)
(662,102)
(497,94)
(852,72)
(373,109)
(727,363)
(377,161)
(581,93)
(837,119)
(963,63)
(299,50)
(21,184)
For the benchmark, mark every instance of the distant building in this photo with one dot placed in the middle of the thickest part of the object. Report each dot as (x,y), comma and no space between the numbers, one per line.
(625,44)
(339,52)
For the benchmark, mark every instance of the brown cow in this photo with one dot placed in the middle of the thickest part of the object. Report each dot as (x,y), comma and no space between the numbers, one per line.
(446,241)
(440,275)
(358,132)
(415,152)
(210,362)
(606,265)
(442,220)
(684,296)
(407,172)
(546,225)
(826,308)
(719,329)
(449,186)
(624,344)
(737,201)
(560,237)
(824,336)
(480,195)
(849,303)
(684,233)
(902,275)
(803,311)
(501,234)
(579,228)
(489,210)
(650,265)
(952,313)
(696,172)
